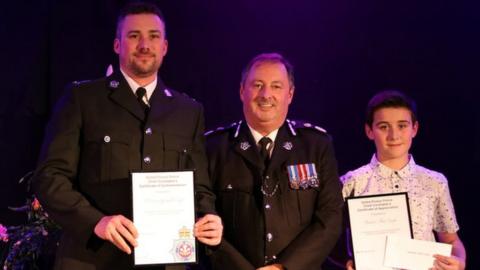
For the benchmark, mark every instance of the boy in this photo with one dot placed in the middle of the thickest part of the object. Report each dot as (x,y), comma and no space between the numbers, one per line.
(391,123)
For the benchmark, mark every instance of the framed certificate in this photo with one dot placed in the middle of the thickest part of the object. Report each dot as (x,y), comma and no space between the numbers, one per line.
(164,215)
(372,219)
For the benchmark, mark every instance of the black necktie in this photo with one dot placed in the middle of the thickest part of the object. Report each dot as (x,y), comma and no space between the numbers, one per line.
(264,153)
(140,93)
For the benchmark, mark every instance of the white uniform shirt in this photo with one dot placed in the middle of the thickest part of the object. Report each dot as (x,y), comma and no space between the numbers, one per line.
(134,86)
(257,137)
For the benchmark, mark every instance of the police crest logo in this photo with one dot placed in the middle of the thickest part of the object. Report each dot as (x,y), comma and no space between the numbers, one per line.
(288,146)
(183,248)
(114,84)
(244,145)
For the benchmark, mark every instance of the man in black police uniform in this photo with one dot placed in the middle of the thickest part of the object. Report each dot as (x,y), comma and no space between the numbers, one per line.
(276,181)
(102,130)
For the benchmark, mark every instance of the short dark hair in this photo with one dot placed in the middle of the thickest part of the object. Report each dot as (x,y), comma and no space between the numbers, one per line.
(390,99)
(270,58)
(133,8)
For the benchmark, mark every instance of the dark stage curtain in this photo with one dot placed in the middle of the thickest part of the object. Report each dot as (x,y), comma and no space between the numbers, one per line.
(343,51)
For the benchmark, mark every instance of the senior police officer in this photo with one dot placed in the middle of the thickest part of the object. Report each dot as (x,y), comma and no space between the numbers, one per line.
(276,180)
(102,130)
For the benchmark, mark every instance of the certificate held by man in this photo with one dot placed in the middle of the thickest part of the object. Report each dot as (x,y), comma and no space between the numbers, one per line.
(372,218)
(164,215)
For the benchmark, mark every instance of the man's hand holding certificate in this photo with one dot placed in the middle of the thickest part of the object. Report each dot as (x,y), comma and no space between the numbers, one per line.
(208,230)
(119,230)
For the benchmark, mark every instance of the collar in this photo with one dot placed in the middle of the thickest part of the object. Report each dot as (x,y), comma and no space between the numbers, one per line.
(134,85)
(257,136)
(385,171)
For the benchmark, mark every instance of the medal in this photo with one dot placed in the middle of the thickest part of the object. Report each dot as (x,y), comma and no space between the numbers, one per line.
(302,176)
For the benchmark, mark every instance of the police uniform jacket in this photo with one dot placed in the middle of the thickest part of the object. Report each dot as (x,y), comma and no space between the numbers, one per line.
(97,135)
(293,226)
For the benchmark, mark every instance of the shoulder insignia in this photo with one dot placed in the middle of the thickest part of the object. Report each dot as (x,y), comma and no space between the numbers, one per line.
(109,70)
(77,83)
(295,124)
(167,92)
(234,125)
(291,125)
(320,129)
(113,84)
(185,94)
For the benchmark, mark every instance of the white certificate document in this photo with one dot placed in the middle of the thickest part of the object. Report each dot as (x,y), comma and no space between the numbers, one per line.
(164,215)
(372,218)
(413,254)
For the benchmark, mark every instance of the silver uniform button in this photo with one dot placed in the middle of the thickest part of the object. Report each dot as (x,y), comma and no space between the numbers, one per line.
(147,160)
(267,206)
(148,131)
(274,257)
(269,237)
(106,139)
(229,186)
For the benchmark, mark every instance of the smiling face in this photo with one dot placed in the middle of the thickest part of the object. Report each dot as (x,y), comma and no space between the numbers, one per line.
(392,131)
(141,45)
(266,94)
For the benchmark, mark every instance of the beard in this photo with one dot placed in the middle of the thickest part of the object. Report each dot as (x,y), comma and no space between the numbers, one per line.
(144,68)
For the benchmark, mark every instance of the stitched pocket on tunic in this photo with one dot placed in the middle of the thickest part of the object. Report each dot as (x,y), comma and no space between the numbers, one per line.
(177,151)
(106,156)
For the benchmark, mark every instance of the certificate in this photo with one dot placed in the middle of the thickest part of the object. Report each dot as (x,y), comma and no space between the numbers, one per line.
(413,254)
(164,215)
(372,218)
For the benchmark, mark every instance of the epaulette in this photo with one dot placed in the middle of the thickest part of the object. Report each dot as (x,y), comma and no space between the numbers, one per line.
(234,125)
(293,125)
(185,94)
(77,83)
(167,92)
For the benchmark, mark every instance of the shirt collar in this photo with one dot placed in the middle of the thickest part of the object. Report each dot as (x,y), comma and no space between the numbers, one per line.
(134,85)
(385,171)
(257,136)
